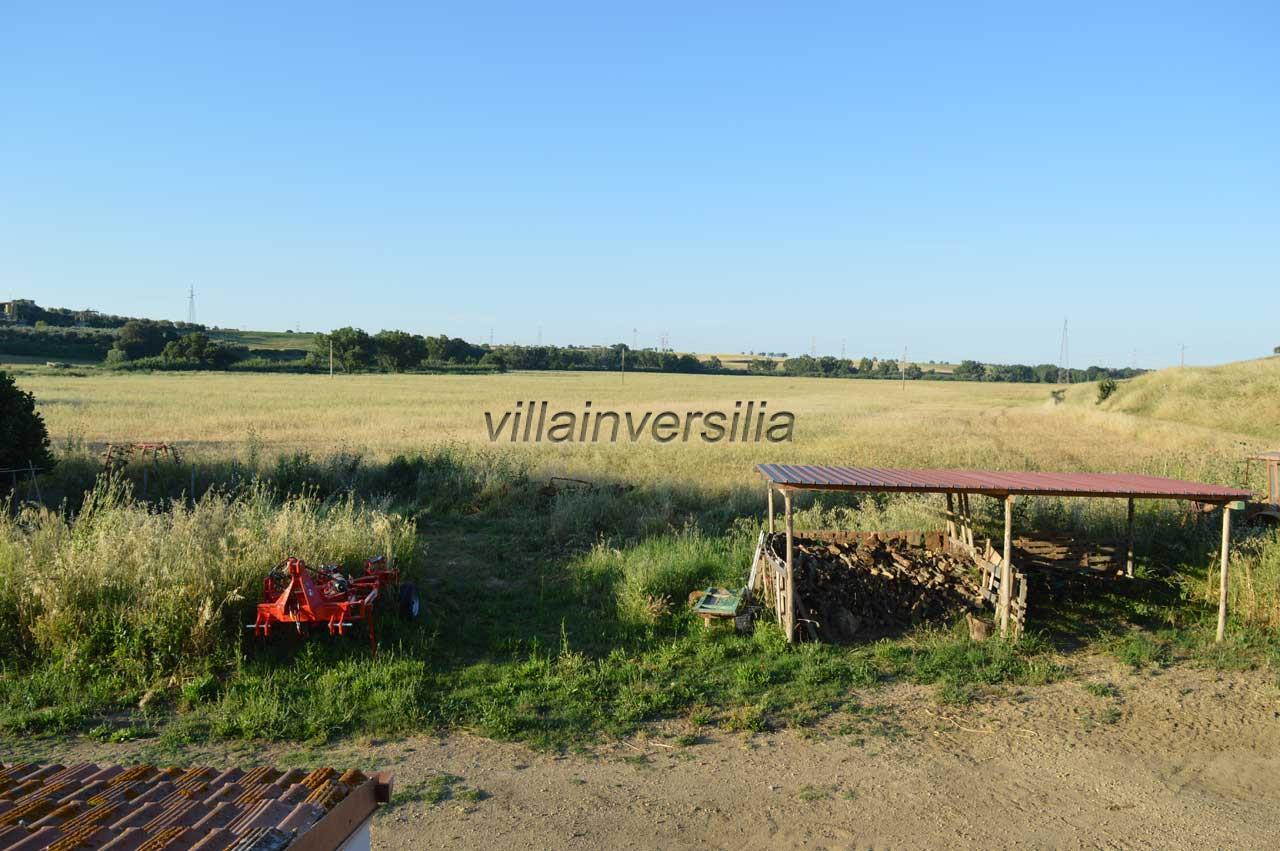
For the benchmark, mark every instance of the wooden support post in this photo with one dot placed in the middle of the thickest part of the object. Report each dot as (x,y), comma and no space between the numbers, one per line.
(769,489)
(1006,567)
(789,620)
(1225,581)
(967,522)
(951,517)
(1128,561)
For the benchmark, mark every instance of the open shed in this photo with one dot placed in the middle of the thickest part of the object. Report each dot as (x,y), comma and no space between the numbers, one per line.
(958,486)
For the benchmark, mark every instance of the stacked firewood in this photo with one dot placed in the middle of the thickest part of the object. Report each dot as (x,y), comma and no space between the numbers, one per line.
(870,588)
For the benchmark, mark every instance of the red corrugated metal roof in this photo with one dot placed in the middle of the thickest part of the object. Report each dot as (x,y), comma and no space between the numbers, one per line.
(114,808)
(995,483)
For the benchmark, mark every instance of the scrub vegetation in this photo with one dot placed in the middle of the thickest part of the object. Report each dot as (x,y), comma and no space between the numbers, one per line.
(552,614)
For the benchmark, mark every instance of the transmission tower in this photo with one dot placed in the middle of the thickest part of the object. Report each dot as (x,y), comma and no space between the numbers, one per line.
(191,305)
(1064,358)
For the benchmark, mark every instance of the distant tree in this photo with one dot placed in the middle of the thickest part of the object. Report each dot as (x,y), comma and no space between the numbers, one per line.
(24,439)
(1276,350)
(713,363)
(397,351)
(353,349)
(198,349)
(970,370)
(914,372)
(142,338)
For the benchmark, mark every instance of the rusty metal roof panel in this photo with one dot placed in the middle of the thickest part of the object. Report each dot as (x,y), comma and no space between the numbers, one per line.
(995,482)
(148,808)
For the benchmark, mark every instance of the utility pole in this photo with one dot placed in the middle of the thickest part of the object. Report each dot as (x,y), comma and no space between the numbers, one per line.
(1064,358)
(624,365)
(635,339)
(1182,357)
(904,368)
(191,305)
(331,357)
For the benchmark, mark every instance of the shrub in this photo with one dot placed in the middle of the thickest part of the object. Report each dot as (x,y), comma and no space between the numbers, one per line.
(1106,387)
(24,439)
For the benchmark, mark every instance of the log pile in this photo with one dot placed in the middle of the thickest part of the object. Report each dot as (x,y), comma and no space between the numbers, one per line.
(865,589)
(1050,551)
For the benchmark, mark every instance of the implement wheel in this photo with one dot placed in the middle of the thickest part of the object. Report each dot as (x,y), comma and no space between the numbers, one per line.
(409,604)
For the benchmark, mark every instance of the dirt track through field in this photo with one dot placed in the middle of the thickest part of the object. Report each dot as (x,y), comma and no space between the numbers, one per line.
(1190,761)
(1184,758)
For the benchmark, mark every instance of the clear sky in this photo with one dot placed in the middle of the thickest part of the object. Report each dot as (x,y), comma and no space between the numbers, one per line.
(951,177)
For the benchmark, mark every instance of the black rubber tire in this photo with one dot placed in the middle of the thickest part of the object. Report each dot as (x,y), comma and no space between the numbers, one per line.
(410,607)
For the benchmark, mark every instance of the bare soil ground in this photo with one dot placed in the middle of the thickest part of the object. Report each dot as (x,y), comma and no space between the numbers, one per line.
(1180,758)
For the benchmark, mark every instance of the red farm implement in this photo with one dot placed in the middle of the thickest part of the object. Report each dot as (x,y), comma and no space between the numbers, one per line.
(296,593)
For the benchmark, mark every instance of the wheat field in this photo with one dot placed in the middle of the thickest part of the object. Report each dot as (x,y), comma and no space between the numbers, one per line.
(943,424)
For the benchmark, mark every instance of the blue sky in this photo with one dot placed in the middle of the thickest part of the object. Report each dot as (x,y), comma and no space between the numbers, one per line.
(953,178)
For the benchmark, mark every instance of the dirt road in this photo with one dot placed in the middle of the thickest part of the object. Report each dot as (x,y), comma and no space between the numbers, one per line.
(1184,758)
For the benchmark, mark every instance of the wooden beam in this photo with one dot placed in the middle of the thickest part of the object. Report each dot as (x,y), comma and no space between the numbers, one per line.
(1128,561)
(789,619)
(951,516)
(769,489)
(1006,567)
(1225,580)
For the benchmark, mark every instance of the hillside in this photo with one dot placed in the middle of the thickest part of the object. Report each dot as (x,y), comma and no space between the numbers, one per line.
(1242,397)
(274,340)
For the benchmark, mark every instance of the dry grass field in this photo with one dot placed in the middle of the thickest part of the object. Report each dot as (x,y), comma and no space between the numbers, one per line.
(553,618)
(1005,426)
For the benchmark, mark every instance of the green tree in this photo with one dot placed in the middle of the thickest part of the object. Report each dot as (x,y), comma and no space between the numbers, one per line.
(142,338)
(353,349)
(396,351)
(24,439)
(197,348)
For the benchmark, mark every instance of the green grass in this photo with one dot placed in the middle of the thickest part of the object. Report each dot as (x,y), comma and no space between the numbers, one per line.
(436,789)
(277,340)
(1102,689)
(551,619)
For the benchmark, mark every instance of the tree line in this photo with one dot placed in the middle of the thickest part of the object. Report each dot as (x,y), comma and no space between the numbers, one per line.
(967,370)
(146,344)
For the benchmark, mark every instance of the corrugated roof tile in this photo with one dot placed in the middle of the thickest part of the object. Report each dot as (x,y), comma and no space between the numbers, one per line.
(145,808)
